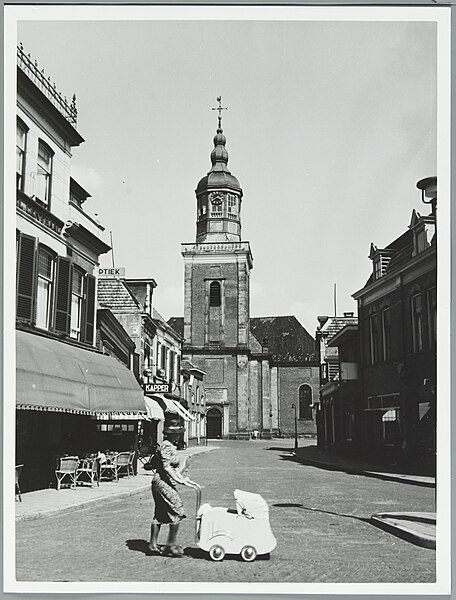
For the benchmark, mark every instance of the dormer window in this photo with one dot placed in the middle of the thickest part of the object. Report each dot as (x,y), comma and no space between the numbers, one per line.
(380,259)
(423,236)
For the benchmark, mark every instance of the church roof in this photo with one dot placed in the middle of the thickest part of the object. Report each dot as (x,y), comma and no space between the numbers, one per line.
(219,176)
(114,294)
(288,341)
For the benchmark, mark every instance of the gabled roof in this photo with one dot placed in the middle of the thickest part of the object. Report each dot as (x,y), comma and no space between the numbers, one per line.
(160,321)
(287,340)
(177,323)
(334,324)
(114,294)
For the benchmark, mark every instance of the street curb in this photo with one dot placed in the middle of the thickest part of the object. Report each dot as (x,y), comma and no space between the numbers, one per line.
(103,499)
(374,474)
(82,505)
(404,532)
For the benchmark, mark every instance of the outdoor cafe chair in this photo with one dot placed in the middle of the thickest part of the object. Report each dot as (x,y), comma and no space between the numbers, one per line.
(145,453)
(125,462)
(17,488)
(87,471)
(67,467)
(108,468)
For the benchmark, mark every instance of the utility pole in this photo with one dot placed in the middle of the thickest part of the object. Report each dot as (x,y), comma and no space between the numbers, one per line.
(295,424)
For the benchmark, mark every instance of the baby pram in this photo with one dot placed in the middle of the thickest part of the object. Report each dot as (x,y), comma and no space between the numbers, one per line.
(244,530)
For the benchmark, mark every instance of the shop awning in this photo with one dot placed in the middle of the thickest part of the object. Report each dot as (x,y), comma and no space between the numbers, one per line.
(154,410)
(173,406)
(54,376)
(184,412)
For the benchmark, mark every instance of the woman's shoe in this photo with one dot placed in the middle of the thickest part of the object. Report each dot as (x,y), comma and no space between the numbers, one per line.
(153,551)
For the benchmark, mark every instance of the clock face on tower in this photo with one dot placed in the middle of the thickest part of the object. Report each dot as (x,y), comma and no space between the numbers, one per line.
(216,197)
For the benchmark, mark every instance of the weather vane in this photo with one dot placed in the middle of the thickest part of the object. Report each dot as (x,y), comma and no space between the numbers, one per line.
(220,108)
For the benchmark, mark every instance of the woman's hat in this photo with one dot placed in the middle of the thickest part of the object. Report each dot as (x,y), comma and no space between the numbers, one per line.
(173,427)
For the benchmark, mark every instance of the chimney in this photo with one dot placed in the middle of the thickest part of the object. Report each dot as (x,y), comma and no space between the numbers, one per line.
(322,321)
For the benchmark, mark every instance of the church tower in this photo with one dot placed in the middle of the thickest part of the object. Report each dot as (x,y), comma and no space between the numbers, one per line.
(217,296)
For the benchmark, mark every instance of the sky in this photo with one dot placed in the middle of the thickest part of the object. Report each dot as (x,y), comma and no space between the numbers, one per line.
(329,127)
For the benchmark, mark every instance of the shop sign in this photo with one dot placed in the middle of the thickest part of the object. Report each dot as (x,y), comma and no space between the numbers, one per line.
(157,388)
(114,272)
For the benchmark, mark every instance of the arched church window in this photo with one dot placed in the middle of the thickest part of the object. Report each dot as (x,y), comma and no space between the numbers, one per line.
(305,402)
(215,296)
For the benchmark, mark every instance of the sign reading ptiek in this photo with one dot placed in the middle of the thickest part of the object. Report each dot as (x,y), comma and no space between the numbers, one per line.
(114,272)
(157,388)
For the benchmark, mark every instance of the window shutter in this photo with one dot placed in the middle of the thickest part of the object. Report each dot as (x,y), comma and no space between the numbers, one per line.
(89,312)
(26,278)
(62,295)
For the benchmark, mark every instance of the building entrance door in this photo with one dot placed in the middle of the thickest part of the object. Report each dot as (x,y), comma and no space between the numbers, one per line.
(214,424)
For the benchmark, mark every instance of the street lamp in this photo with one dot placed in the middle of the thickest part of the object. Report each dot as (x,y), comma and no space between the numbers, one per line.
(295,425)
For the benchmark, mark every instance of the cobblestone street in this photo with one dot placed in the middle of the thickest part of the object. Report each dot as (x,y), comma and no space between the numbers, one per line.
(319,518)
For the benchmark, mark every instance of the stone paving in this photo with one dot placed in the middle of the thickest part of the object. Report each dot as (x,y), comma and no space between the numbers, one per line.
(321,520)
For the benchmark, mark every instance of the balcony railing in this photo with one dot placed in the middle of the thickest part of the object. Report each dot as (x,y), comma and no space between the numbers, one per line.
(38,212)
(31,69)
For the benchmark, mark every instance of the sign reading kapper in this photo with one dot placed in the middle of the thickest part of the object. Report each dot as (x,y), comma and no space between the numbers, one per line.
(157,388)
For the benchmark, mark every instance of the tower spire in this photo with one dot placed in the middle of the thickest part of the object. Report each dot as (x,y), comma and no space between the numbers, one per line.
(220,108)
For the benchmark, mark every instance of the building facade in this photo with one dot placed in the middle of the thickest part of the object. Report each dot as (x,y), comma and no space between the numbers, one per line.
(397,311)
(247,386)
(63,384)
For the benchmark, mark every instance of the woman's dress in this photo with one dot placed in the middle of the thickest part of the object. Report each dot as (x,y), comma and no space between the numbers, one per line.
(168,503)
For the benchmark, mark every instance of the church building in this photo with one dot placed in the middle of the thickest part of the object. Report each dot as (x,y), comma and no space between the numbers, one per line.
(262,374)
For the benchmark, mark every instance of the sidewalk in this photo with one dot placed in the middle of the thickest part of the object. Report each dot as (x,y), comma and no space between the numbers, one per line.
(319,457)
(417,528)
(48,502)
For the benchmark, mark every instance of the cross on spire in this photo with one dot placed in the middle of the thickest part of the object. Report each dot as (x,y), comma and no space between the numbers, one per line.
(220,108)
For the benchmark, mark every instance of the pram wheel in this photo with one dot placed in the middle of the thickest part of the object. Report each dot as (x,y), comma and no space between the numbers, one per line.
(217,552)
(248,553)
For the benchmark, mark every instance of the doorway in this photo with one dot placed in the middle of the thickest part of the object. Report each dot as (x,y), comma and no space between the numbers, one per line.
(214,424)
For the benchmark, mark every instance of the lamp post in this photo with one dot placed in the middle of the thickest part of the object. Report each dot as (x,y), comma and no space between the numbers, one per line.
(295,424)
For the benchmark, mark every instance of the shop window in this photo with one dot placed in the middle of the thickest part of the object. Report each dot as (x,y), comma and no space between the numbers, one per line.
(417,323)
(44,288)
(21,138)
(43,174)
(305,402)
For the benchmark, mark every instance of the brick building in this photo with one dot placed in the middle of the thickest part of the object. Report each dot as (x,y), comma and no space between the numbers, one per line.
(251,382)
(397,311)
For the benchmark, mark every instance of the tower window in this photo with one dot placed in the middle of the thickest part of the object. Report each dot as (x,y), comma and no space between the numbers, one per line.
(232,204)
(215,296)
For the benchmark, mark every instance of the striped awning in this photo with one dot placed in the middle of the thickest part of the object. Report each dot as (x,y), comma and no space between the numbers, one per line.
(173,406)
(52,375)
(154,410)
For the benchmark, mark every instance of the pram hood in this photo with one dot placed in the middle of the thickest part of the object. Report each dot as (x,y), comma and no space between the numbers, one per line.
(251,505)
